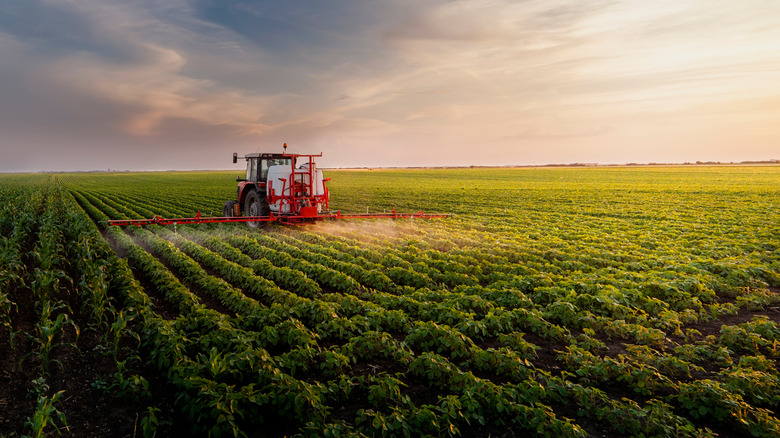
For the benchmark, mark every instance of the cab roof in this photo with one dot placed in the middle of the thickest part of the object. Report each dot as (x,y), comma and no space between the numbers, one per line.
(264,155)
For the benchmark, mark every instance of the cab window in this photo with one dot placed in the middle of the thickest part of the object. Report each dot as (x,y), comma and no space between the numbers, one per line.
(265,164)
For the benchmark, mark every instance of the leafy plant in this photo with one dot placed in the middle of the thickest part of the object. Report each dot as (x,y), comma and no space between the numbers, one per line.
(46,414)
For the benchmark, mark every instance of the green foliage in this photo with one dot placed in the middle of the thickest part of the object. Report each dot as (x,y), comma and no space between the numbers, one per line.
(553,299)
(46,414)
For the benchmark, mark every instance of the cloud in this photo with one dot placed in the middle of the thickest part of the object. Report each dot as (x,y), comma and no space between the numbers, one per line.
(362,78)
(149,82)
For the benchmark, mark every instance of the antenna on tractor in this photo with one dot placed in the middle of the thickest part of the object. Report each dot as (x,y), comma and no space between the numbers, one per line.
(285,148)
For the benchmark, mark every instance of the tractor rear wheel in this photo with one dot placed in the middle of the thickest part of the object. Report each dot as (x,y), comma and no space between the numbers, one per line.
(228,208)
(256,205)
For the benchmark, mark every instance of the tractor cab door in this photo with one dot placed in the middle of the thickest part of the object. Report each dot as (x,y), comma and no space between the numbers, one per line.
(251,169)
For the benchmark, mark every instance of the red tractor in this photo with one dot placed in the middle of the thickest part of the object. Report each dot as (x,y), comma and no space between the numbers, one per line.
(288,187)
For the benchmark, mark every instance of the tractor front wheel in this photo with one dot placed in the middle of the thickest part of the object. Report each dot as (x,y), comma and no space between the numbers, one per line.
(256,206)
(228,208)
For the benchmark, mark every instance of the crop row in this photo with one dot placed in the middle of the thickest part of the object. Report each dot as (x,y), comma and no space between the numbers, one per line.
(563,314)
(55,270)
(437,338)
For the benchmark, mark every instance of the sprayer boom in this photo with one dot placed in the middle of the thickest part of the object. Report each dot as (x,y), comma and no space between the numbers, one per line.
(283,188)
(286,219)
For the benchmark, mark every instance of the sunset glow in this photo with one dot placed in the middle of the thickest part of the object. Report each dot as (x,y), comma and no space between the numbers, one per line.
(94,84)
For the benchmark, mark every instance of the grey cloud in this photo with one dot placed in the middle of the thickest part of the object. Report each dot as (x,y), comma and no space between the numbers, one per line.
(66,27)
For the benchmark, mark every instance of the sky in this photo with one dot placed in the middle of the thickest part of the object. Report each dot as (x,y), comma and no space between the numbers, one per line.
(158,85)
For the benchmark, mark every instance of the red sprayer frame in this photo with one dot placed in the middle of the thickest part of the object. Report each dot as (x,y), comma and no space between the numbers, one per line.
(291,220)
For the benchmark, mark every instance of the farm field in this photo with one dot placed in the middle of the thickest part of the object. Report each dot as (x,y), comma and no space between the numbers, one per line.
(625,301)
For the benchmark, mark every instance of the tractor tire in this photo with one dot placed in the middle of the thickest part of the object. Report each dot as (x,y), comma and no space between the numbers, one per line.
(228,208)
(256,205)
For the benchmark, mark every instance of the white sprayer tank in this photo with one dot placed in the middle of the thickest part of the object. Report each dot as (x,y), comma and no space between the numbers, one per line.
(276,187)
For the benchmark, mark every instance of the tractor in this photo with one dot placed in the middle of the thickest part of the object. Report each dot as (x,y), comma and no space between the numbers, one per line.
(287,186)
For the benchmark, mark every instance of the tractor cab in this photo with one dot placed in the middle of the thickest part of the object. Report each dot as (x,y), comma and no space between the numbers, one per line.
(257,165)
